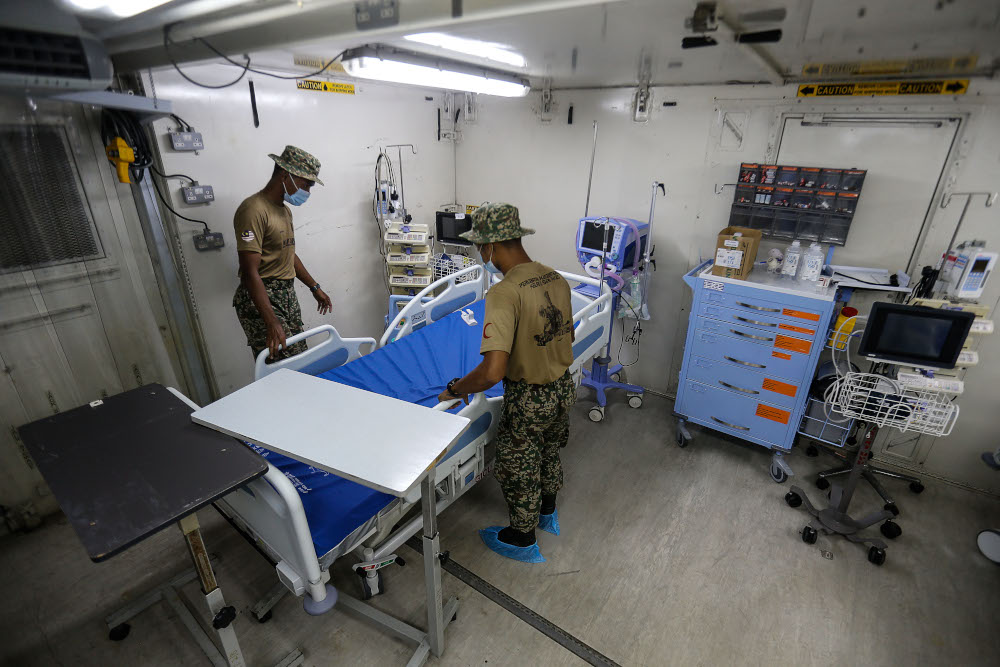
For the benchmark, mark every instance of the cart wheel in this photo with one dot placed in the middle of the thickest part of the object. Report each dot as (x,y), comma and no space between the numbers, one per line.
(778,473)
(367,593)
(266,617)
(876,555)
(916,487)
(617,377)
(793,499)
(822,483)
(681,440)
(812,451)
(891,529)
(809,535)
(635,401)
(119,632)
(596,413)
(892,508)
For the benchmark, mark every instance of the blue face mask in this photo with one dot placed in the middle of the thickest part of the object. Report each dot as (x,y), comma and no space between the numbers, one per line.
(490,266)
(297,198)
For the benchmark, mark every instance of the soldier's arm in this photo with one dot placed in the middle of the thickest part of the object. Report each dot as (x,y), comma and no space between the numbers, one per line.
(490,370)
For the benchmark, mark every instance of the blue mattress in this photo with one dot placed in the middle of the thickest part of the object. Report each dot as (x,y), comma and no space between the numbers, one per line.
(415,368)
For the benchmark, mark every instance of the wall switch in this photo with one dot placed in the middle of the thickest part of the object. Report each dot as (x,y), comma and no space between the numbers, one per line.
(198,194)
(186,141)
(209,241)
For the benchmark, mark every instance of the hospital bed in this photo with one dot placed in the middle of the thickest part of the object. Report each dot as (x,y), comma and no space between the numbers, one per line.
(303,519)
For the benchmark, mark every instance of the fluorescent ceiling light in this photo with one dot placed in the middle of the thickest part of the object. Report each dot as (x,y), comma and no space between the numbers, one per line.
(472,47)
(120,8)
(389,64)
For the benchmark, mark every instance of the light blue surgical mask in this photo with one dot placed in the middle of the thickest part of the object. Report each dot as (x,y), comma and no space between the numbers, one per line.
(490,266)
(297,198)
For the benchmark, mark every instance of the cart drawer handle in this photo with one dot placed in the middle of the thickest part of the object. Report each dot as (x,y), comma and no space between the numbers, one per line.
(762,308)
(742,428)
(744,363)
(745,391)
(760,324)
(746,335)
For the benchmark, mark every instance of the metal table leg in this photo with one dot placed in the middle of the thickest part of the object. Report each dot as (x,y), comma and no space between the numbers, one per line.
(432,567)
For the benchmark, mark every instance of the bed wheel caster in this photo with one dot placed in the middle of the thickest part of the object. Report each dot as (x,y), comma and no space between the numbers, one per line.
(596,413)
(635,401)
(266,617)
(891,529)
(372,587)
(400,562)
(822,483)
(793,499)
(119,632)
(809,535)
(916,487)
(876,556)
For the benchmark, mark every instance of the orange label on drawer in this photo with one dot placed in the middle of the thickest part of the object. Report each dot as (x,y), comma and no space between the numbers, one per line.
(801,330)
(779,387)
(772,413)
(793,344)
(782,355)
(799,314)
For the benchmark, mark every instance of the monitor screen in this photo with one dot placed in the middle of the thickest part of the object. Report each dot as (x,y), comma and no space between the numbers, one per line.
(902,334)
(450,226)
(979,266)
(593,235)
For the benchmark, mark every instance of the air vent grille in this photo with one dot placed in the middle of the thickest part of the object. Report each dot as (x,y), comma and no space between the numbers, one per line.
(42,54)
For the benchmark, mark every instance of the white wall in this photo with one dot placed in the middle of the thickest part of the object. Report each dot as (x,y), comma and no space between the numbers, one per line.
(335,234)
(509,154)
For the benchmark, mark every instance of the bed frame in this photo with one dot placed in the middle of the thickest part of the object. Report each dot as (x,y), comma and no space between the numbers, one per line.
(269,511)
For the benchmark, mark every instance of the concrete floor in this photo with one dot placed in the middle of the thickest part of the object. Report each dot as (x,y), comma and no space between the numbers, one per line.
(668,556)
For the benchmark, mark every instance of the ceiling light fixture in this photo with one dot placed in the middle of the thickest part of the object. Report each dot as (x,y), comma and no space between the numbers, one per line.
(384,63)
(471,47)
(119,8)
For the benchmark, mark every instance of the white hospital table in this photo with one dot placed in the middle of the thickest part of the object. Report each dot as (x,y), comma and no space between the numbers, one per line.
(379,442)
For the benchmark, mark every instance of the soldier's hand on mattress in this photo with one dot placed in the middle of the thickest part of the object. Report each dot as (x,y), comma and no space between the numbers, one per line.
(275,338)
(446,397)
(323,303)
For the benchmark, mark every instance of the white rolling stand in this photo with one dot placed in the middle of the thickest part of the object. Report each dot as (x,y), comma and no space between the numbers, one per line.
(379,442)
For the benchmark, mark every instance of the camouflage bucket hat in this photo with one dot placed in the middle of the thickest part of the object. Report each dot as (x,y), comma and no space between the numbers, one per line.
(296,161)
(492,223)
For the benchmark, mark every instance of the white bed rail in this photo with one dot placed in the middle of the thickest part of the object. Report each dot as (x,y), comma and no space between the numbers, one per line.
(593,320)
(330,353)
(454,296)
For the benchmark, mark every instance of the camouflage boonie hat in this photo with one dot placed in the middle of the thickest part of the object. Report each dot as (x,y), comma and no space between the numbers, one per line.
(492,223)
(296,161)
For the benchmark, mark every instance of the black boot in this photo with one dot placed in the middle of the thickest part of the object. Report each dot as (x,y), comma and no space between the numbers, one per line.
(548,504)
(516,538)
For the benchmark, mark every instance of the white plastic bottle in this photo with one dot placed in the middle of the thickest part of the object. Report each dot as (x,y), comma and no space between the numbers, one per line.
(812,263)
(790,267)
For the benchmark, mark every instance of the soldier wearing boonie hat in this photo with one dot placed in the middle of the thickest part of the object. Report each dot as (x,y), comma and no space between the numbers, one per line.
(528,344)
(265,300)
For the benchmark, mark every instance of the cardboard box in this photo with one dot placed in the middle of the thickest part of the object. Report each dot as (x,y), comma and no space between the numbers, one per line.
(735,255)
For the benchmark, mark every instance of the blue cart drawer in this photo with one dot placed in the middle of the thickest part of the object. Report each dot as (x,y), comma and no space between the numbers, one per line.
(744,381)
(785,307)
(759,320)
(778,357)
(744,417)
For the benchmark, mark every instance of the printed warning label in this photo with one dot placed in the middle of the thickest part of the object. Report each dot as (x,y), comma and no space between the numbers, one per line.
(782,355)
(773,413)
(788,312)
(793,344)
(884,88)
(801,330)
(883,67)
(779,387)
(325,86)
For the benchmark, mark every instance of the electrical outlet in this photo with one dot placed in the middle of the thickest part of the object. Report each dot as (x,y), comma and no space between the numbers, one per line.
(198,194)
(209,241)
(186,141)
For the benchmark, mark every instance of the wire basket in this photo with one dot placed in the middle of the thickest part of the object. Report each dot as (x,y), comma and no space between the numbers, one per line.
(879,400)
(444,265)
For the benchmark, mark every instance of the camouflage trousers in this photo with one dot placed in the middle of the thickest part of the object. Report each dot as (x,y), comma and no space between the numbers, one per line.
(534,425)
(281,294)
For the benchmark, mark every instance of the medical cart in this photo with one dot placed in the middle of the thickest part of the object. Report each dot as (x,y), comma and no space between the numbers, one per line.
(750,356)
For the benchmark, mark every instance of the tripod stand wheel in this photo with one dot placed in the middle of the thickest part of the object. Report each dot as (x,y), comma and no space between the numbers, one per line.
(916,487)
(891,529)
(876,556)
(809,535)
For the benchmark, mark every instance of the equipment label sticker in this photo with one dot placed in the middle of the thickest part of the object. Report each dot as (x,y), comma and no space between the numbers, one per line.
(788,312)
(782,355)
(793,344)
(801,330)
(884,88)
(325,86)
(779,387)
(730,259)
(715,285)
(772,413)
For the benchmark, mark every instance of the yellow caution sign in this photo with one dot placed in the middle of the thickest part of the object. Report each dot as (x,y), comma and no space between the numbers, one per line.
(469,208)
(315,63)
(887,67)
(325,86)
(884,88)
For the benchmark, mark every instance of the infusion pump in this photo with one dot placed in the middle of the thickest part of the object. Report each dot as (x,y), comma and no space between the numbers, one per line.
(966,270)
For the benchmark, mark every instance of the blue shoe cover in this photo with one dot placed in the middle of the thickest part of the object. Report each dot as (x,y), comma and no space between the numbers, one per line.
(549,522)
(524,554)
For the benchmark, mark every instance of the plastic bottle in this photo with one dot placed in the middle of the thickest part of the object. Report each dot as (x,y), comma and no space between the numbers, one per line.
(812,263)
(790,267)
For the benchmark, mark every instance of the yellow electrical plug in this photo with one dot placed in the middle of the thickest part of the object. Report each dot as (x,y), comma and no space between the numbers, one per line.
(121,155)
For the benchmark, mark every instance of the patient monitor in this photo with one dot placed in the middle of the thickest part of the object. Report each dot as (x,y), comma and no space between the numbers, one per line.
(618,242)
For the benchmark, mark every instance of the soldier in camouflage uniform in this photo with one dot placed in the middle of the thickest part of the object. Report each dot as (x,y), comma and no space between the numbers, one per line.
(527,343)
(265,300)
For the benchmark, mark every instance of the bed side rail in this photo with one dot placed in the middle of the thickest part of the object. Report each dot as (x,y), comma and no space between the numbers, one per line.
(454,296)
(330,353)
(592,320)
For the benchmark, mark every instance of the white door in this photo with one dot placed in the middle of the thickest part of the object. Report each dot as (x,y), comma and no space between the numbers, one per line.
(74,323)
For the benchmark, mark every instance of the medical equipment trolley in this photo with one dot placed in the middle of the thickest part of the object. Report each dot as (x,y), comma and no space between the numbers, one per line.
(751,352)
